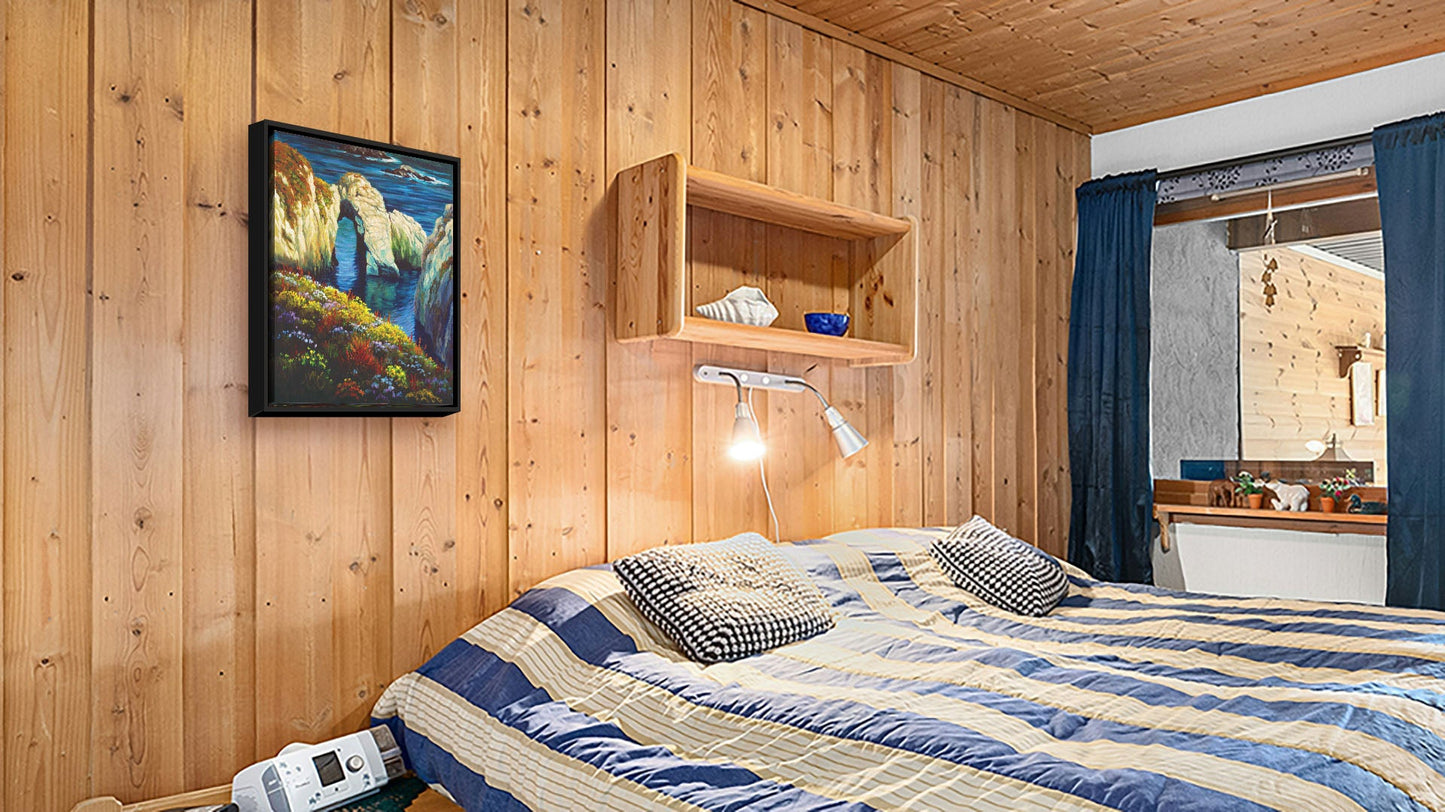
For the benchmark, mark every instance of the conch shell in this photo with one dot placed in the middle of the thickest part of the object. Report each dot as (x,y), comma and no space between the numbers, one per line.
(745,305)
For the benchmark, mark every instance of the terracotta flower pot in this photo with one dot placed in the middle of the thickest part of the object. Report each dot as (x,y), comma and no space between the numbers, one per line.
(1327,504)
(1256,500)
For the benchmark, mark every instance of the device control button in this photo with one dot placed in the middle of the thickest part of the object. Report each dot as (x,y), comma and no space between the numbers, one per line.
(355,763)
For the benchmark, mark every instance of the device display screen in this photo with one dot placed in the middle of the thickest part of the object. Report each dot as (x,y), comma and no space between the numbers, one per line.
(328,768)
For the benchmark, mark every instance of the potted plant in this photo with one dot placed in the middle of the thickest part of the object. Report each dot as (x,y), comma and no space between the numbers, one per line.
(1250,488)
(1332,489)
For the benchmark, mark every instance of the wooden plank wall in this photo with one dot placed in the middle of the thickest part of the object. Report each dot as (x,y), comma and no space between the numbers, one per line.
(187,589)
(1290,389)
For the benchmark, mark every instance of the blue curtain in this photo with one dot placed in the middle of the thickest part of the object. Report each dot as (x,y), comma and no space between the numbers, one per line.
(1410,171)
(1110,529)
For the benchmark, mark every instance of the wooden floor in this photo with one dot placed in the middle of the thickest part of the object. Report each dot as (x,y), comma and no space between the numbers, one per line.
(426,801)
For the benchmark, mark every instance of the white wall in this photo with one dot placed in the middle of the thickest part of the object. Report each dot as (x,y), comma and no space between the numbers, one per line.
(1350,105)
(1255,561)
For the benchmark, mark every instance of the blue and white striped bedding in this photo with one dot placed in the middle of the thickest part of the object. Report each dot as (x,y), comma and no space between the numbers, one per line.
(923,697)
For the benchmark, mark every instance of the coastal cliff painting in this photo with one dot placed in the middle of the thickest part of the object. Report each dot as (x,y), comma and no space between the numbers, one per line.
(353,293)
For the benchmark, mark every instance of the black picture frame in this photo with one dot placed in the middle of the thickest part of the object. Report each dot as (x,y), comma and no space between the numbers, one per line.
(261,223)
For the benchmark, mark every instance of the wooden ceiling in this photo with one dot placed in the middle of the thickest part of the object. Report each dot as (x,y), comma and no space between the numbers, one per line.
(1115,63)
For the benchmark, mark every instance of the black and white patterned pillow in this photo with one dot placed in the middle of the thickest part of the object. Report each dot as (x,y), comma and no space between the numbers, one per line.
(725,600)
(1008,573)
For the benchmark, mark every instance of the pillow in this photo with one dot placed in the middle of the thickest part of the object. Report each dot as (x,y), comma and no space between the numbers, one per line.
(1002,570)
(725,600)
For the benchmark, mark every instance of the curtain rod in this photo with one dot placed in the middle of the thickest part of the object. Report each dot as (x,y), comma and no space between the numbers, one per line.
(1265,156)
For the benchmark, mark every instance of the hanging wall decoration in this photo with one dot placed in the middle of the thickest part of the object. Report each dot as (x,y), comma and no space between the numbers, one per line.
(1267,277)
(353,288)
(1270,263)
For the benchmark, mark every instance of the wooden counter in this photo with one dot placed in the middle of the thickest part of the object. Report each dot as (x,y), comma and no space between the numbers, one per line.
(1311,521)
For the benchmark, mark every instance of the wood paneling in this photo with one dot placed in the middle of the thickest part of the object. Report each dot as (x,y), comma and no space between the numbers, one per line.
(435,582)
(47,406)
(907,380)
(137,390)
(800,143)
(862,177)
(1115,64)
(729,134)
(649,385)
(186,589)
(557,239)
(958,218)
(1290,388)
(219,519)
(322,486)
(482,469)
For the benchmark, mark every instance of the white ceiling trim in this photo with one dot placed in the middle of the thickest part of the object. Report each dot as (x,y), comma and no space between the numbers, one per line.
(1336,259)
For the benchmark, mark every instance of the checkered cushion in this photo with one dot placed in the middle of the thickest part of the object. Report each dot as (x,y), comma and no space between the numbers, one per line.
(1008,573)
(725,600)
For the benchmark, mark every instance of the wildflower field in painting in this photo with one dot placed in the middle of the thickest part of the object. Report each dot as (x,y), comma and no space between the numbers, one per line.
(331,348)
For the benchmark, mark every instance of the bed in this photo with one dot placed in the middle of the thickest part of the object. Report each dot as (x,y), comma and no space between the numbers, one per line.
(923,697)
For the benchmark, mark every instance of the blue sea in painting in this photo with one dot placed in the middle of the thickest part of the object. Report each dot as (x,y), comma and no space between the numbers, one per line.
(422,193)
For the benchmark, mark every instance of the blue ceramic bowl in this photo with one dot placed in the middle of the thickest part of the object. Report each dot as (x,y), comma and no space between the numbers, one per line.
(829,324)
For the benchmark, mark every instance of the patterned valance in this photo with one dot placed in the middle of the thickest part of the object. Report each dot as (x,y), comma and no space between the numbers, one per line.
(1267,170)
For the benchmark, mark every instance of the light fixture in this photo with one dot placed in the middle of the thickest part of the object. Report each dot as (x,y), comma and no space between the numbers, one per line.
(747,443)
(850,440)
(1328,453)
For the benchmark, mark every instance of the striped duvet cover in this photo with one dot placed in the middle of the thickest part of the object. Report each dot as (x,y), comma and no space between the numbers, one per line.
(1125,697)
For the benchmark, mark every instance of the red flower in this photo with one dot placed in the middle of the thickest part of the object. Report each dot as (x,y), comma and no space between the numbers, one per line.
(349,390)
(359,357)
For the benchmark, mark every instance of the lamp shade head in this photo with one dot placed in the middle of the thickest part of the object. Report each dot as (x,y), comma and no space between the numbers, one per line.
(747,441)
(850,440)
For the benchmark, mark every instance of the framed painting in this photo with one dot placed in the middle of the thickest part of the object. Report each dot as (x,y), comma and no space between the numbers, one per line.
(353,278)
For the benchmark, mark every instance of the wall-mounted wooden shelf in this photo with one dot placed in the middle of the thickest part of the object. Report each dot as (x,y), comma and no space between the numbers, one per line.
(1306,522)
(844,259)
(858,350)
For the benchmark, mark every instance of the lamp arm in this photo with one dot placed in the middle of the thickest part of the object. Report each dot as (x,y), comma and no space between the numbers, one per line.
(812,389)
(736,382)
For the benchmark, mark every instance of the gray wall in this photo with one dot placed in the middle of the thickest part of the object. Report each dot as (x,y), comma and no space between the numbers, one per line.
(1194,364)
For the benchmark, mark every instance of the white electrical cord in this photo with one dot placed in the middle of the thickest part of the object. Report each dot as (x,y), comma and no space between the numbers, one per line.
(763,475)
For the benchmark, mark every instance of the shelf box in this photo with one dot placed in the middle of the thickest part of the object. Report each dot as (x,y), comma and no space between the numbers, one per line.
(687,236)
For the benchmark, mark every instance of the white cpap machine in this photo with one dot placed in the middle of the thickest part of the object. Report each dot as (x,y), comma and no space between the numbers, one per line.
(318,777)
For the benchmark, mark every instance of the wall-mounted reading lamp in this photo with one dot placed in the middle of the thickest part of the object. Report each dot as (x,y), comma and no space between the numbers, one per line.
(747,442)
